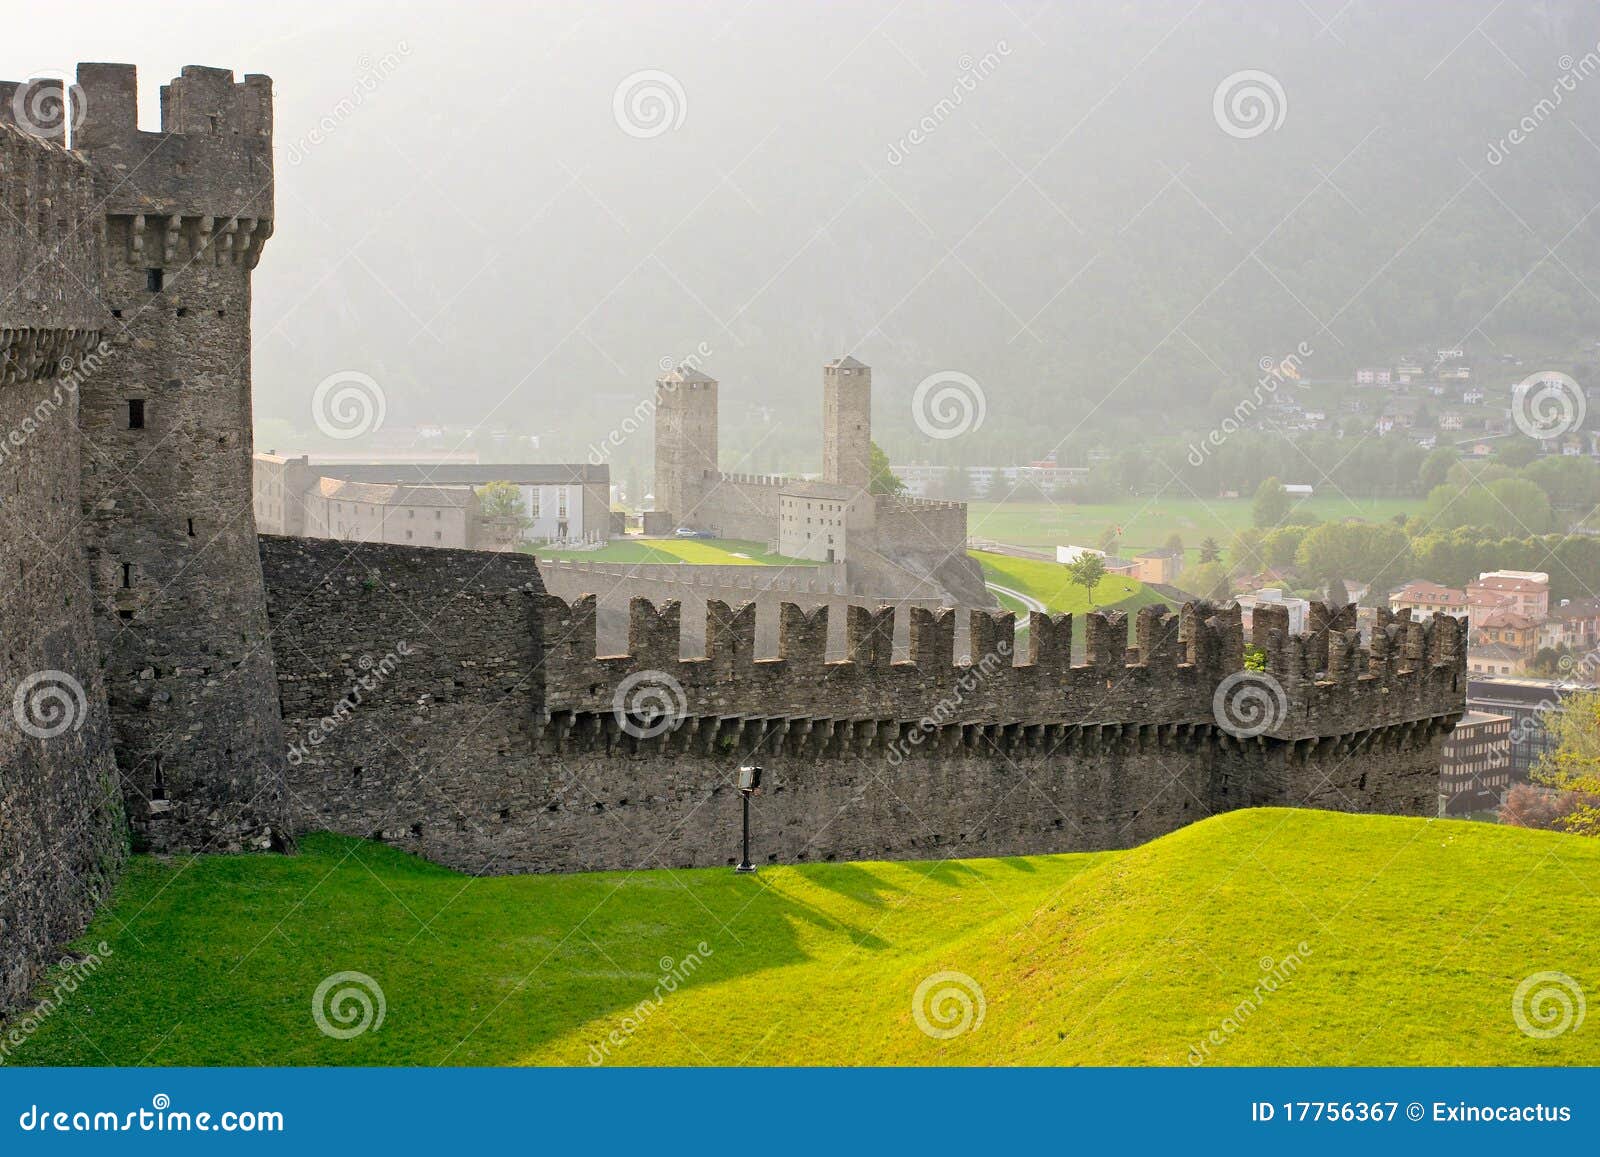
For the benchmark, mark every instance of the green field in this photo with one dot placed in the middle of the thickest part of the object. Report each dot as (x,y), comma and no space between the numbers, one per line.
(1050,584)
(1385,941)
(701,551)
(1147,522)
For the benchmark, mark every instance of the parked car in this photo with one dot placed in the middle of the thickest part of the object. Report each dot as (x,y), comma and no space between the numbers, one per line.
(691,532)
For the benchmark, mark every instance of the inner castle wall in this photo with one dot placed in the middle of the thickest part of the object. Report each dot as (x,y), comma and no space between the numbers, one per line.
(502,742)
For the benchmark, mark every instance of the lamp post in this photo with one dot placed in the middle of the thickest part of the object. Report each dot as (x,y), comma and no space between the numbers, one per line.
(749,784)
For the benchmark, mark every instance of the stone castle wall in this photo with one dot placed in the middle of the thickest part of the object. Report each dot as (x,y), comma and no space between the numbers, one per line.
(615,586)
(736,506)
(62,832)
(500,743)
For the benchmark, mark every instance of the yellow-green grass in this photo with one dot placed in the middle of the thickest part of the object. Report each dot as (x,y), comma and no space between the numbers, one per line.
(1148,522)
(1293,936)
(702,551)
(1052,585)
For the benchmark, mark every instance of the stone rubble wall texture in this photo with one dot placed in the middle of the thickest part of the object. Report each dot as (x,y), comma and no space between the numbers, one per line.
(499,746)
(62,831)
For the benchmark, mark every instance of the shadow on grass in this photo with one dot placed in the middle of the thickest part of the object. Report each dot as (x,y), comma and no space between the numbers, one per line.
(217,960)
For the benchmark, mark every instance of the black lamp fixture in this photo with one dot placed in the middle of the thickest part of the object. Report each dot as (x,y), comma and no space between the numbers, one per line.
(749,784)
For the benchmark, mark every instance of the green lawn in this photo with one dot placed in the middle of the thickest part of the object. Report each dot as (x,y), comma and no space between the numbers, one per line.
(1049,583)
(1147,522)
(703,551)
(1408,940)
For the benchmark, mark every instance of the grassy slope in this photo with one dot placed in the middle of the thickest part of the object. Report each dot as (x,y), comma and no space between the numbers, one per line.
(1049,583)
(1416,932)
(703,551)
(1146,522)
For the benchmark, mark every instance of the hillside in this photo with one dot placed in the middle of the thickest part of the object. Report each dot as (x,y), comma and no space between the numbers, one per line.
(1410,938)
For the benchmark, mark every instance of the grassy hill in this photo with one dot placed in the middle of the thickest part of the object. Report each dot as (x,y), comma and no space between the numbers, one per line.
(1387,941)
(701,551)
(1148,521)
(1050,583)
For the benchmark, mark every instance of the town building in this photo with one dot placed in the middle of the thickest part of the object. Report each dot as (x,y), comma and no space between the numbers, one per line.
(1298,609)
(1424,598)
(561,503)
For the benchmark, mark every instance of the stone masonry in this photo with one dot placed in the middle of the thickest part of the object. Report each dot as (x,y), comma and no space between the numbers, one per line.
(170,531)
(502,743)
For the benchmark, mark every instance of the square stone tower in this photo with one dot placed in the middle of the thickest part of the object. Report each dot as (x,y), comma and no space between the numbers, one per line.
(686,440)
(847,423)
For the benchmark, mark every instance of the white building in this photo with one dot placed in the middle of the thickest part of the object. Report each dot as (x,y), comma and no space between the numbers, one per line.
(1299,609)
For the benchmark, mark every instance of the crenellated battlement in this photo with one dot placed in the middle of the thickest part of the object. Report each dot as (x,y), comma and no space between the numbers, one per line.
(1183,670)
(200,188)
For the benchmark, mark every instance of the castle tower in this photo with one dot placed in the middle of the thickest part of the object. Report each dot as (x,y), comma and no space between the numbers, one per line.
(686,440)
(169,529)
(847,423)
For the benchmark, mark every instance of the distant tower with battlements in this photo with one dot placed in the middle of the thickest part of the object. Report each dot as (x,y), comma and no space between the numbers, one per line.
(169,528)
(847,423)
(686,440)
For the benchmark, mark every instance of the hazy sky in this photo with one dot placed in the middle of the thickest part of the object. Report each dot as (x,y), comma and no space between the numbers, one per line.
(492,231)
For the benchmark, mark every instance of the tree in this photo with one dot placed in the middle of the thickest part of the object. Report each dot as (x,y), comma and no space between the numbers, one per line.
(1437,465)
(1110,539)
(1209,581)
(1209,550)
(1574,764)
(1516,452)
(1174,543)
(881,479)
(502,500)
(1271,505)
(1087,573)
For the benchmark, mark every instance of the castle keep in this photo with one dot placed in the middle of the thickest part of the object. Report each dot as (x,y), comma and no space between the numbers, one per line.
(890,545)
(169,675)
